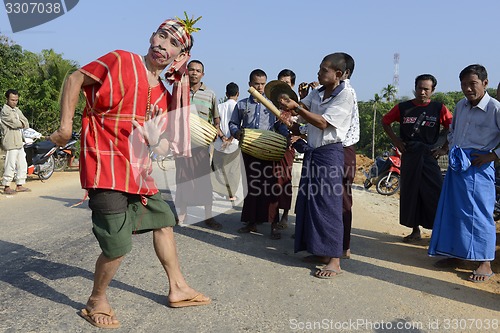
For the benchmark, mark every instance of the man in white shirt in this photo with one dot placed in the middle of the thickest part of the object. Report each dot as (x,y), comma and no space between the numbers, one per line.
(226,158)
(319,227)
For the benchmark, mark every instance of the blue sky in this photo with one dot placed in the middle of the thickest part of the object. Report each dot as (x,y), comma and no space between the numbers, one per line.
(437,37)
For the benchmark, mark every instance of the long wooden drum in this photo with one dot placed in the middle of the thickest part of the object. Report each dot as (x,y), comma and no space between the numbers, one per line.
(262,144)
(202,132)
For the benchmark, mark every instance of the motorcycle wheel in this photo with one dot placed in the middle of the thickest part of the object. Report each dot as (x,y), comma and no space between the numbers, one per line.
(60,163)
(388,185)
(47,169)
(367,184)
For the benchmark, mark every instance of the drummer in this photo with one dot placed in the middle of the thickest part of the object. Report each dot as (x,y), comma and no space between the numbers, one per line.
(258,204)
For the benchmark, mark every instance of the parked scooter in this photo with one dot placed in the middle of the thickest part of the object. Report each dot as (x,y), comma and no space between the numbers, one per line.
(39,155)
(64,156)
(385,173)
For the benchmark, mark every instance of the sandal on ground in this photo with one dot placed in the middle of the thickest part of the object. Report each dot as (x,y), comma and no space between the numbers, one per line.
(9,191)
(199,299)
(247,229)
(479,277)
(212,224)
(281,225)
(275,234)
(22,189)
(330,273)
(89,316)
(412,238)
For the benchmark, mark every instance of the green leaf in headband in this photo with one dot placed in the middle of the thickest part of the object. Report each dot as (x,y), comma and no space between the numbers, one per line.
(189,23)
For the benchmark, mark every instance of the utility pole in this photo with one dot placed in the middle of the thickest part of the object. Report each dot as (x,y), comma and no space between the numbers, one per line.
(395,79)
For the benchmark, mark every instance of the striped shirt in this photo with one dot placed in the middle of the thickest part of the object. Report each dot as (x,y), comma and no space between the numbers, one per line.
(111,158)
(206,103)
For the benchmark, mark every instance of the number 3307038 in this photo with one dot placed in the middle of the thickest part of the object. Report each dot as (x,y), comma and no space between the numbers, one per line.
(33,7)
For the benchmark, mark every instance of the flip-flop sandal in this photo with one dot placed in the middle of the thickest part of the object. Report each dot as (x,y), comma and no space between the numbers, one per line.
(281,225)
(9,191)
(87,315)
(195,301)
(275,234)
(323,270)
(475,275)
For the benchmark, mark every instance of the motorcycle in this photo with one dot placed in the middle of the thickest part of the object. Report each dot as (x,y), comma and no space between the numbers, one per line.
(39,155)
(385,173)
(64,156)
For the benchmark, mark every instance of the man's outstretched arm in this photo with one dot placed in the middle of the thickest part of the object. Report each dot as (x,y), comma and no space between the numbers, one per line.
(69,100)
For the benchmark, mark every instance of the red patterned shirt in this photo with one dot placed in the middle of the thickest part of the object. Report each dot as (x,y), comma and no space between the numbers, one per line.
(110,157)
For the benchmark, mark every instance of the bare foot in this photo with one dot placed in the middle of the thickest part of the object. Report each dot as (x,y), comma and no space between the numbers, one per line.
(329,271)
(482,274)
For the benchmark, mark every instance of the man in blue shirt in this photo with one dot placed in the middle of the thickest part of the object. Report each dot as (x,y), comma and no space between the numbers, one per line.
(464,227)
(257,206)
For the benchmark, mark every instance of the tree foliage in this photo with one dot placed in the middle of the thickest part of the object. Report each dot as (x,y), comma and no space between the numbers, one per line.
(39,79)
(389,93)
(379,107)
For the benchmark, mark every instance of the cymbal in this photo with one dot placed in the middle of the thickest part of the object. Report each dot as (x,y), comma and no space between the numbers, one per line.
(274,89)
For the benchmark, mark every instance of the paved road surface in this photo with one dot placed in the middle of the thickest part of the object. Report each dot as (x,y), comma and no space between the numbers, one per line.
(47,255)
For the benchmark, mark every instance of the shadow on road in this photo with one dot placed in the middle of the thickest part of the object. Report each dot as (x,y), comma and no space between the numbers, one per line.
(25,269)
(366,243)
(72,203)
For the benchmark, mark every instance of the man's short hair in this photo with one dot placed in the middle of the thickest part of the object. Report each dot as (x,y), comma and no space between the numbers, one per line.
(349,63)
(197,62)
(232,89)
(11,91)
(287,72)
(337,61)
(425,77)
(257,72)
(477,69)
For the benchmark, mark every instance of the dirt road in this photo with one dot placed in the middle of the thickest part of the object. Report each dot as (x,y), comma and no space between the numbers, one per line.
(47,255)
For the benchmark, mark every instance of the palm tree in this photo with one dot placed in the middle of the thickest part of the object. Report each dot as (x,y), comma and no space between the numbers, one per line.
(376,100)
(389,93)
